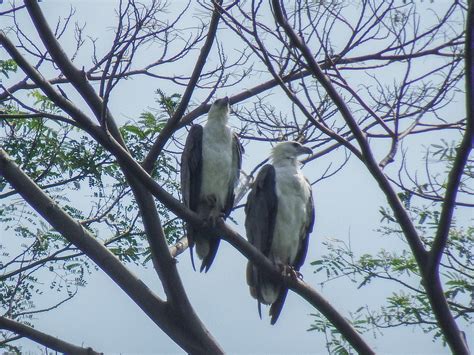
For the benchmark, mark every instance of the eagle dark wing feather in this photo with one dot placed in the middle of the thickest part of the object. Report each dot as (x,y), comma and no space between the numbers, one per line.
(261,210)
(277,306)
(262,204)
(303,249)
(191,176)
(237,150)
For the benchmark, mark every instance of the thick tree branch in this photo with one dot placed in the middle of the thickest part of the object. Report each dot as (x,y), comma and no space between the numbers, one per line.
(179,247)
(130,166)
(75,233)
(43,338)
(172,123)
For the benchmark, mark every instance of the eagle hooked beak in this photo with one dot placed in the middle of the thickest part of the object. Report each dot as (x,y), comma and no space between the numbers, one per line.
(222,102)
(304,150)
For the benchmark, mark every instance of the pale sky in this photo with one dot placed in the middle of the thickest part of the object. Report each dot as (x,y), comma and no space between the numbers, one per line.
(102,316)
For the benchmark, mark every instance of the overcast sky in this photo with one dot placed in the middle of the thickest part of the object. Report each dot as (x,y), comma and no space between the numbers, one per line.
(102,316)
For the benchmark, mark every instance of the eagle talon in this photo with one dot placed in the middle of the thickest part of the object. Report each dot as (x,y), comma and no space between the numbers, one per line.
(214,217)
(290,271)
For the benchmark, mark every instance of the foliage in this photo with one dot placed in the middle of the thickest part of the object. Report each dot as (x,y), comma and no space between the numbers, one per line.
(408,303)
(7,66)
(78,173)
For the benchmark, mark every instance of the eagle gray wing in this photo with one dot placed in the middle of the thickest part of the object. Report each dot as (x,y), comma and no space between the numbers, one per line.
(191,176)
(277,306)
(237,150)
(261,211)
(305,232)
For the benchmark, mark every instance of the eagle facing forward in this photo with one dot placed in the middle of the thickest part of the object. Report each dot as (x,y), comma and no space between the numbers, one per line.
(210,168)
(279,218)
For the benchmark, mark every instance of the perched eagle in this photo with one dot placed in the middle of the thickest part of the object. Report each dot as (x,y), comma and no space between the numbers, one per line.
(210,168)
(279,218)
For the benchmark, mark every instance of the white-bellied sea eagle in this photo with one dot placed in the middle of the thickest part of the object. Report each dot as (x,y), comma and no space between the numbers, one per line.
(279,218)
(210,168)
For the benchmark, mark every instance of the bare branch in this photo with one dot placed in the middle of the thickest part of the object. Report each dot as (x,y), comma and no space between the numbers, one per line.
(172,123)
(432,285)
(43,338)
(368,158)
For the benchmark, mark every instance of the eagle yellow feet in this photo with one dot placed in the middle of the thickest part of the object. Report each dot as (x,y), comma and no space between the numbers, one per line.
(290,271)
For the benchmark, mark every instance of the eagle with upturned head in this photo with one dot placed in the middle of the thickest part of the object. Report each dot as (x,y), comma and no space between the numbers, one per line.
(210,169)
(279,219)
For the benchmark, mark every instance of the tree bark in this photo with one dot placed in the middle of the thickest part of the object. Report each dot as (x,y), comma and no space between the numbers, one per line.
(44,339)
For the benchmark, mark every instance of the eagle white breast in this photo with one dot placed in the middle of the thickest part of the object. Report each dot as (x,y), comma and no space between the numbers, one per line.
(293,193)
(217,161)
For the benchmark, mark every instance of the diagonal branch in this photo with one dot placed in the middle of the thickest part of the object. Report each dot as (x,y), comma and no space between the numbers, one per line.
(130,166)
(133,168)
(433,284)
(298,286)
(367,157)
(74,232)
(43,338)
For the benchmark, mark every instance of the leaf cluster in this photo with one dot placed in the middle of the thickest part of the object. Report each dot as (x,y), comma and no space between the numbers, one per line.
(87,182)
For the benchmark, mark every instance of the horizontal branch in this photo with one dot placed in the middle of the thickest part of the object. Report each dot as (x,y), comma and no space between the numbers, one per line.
(19,116)
(43,338)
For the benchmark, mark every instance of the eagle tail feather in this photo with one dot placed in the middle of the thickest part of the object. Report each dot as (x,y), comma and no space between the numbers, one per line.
(206,250)
(259,306)
(190,236)
(277,306)
(192,257)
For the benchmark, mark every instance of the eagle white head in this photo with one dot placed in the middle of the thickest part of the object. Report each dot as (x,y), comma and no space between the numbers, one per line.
(287,152)
(219,110)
